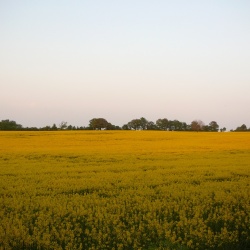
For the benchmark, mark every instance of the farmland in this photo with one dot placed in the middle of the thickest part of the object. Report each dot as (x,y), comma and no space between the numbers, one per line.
(124,190)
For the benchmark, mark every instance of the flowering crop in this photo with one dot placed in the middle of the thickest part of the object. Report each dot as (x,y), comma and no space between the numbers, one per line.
(124,190)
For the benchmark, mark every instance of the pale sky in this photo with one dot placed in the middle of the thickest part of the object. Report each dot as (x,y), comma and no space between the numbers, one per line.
(77,60)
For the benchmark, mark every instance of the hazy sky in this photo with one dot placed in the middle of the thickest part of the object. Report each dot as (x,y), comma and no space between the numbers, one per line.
(120,60)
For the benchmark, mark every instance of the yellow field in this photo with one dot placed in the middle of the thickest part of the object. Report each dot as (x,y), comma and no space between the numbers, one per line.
(124,190)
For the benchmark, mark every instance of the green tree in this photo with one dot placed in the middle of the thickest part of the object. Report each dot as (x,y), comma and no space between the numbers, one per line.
(134,124)
(178,126)
(214,127)
(110,126)
(98,123)
(10,125)
(139,124)
(184,126)
(125,127)
(143,123)
(243,127)
(162,124)
(46,128)
(151,126)
(54,127)
(70,127)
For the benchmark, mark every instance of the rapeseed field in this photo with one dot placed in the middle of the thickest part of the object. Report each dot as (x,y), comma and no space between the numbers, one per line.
(124,190)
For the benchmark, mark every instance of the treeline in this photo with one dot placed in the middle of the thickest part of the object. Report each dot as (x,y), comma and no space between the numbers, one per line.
(135,124)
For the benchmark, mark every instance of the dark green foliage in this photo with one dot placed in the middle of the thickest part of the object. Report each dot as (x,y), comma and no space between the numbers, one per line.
(9,125)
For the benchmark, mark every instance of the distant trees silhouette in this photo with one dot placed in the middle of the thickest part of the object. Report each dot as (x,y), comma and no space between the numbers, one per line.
(243,127)
(161,124)
(135,124)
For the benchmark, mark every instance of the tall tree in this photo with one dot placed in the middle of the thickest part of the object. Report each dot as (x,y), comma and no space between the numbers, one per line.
(98,123)
(151,126)
(214,126)
(162,124)
(54,127)
(144,123)
(134,124)
(172,125)
(139,124)
(243,127)
(178,126)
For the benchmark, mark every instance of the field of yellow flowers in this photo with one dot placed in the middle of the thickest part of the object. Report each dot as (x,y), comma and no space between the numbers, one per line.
(124,190)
